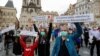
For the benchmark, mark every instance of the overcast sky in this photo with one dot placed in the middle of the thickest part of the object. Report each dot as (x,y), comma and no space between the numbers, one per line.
(47,5)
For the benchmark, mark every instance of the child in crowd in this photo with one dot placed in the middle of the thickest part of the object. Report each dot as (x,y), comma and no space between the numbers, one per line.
(28,47)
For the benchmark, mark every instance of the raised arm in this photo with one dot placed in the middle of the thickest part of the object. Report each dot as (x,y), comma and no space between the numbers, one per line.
(36,29)
(35,44)
(22,42)
(50,31)
(78,31)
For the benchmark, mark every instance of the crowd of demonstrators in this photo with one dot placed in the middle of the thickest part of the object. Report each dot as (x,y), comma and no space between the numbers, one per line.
(67,41)
(22,45)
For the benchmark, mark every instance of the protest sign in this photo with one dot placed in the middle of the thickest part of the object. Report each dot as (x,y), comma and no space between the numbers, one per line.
(40,18)
(28,33)
(8,29)
(74,18)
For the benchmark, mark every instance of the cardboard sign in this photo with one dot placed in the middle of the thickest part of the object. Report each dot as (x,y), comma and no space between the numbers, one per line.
(74,18)
(28,33)
(8,29)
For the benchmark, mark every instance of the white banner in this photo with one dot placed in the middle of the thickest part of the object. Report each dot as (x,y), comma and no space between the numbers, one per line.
(74,18)
(40,18)
(8,29)
(28,33)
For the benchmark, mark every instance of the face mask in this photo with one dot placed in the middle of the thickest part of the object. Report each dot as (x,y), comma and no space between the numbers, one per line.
(43,33)
(64,33)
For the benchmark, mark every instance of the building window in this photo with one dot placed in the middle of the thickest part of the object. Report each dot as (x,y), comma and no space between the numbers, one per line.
(76,9)
(0,14)
(99,11)
(3,14)
(38,2)
(12,14)
(85,6)
(23,16)
(80,8)
(8,14)
(83,12)
(86,12)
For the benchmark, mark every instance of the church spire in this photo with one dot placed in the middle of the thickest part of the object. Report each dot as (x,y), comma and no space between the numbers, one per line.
(9,4)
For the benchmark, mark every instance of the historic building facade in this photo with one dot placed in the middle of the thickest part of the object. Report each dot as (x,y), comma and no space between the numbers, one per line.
(7,14)
(82,7)
(47,13)
(95,9)
(30,8)
(71,10)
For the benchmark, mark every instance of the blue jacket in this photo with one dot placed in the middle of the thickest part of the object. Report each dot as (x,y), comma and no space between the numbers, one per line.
(55,32)
(69,42)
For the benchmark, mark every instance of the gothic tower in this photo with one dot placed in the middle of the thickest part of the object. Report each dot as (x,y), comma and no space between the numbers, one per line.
(29,9)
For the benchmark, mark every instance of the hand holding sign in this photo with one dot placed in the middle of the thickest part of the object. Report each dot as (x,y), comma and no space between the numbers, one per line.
(50,18)
(36,38)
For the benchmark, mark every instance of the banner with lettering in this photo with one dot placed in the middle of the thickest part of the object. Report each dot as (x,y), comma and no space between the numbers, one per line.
(74,18)
(28,33)
(8,29)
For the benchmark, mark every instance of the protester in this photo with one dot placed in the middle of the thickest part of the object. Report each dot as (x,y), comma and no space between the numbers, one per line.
(0,36)
(44,40)
(64,45)
(6,40)
(77,41)
(86,36)
(56,31)
(94,40)
(28,46)
(17,50)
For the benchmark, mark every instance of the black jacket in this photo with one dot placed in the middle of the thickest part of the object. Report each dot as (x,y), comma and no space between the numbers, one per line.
(44,49)
(17,50)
